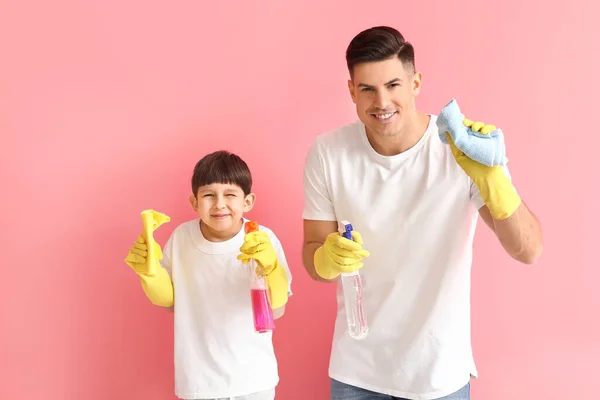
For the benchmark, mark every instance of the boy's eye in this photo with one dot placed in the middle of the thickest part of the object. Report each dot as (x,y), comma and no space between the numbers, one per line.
(207,195)
(231,194)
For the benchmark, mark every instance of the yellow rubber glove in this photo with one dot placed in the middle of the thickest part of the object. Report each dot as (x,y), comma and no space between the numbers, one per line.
(144,257)
(257,246)
(496,189)
(339,254)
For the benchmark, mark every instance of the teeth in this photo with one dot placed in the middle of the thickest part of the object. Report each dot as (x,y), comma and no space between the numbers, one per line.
(385,116)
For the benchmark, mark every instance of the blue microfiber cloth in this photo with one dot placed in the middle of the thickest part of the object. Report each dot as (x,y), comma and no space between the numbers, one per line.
(486,149)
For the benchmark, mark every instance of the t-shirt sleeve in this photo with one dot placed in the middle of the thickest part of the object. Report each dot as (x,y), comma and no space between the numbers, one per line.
(317,199)
(476,194)
(281,257)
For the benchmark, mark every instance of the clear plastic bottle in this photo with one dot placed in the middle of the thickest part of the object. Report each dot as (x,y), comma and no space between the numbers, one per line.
(259,294)
(353,296)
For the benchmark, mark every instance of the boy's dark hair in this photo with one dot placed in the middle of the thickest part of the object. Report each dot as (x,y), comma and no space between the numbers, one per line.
(378,44)
(222,167)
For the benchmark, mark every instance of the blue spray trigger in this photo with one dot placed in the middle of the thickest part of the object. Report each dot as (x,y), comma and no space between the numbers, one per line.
(346,229)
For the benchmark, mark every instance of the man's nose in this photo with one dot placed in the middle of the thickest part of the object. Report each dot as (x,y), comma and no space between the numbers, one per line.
(382,101)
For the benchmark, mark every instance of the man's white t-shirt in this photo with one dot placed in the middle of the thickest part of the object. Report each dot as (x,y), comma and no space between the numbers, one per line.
(417,213)
(217,352)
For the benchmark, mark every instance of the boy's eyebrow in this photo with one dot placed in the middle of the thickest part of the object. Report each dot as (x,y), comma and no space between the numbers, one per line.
(387,83)
(228,189)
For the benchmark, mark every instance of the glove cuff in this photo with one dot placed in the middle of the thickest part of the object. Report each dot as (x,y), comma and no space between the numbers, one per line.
(499,194)
(158,288)
(278,286)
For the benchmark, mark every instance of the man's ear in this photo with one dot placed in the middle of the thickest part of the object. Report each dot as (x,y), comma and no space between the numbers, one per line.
(352,90)
(194,202)
(249,202)
(417,80)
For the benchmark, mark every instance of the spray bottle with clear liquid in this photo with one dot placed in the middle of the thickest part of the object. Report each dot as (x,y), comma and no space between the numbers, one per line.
(259,293)
(353,295)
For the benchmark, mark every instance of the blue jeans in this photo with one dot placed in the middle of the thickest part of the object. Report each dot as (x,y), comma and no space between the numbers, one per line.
(342,391)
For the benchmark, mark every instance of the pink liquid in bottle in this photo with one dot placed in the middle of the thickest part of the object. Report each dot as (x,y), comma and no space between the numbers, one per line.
(261,309)
(261,306)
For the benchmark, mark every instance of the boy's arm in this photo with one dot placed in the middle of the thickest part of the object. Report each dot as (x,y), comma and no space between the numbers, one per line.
(158,288)
(264,247)
(155,280)
(278,312)
(280,280)
(149,262)
(165,263)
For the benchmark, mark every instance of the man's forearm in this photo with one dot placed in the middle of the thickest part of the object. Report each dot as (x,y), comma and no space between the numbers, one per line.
(308,259)
(520,235)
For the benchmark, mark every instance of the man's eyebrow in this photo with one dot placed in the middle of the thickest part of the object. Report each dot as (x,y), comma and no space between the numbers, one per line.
(388,83)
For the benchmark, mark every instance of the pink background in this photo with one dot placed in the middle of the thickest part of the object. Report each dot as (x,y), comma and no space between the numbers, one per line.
(106,106)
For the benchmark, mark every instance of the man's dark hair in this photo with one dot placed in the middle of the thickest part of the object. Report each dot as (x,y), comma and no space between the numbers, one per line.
(222,167)
(378,44)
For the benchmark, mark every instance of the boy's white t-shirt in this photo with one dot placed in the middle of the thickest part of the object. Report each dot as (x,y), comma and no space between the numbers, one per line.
(417,213)
(217,352)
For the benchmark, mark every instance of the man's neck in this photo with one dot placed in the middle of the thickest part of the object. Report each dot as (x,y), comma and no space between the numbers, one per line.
(411,134)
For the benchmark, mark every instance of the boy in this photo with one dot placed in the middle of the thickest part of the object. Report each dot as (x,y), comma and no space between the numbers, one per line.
(217,352)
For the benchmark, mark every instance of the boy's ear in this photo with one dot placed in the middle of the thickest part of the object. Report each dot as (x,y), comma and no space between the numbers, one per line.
(249,202)
(194,202)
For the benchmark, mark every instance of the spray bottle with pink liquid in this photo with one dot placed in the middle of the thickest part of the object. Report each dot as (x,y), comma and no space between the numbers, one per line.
(259,293)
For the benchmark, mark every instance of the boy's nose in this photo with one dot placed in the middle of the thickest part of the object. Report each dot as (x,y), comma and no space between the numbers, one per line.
(220,202)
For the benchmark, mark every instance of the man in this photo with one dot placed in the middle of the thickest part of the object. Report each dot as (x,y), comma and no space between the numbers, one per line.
(413,201)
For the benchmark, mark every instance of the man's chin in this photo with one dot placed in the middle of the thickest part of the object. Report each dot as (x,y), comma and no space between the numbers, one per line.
(383,131)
